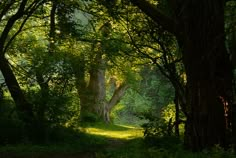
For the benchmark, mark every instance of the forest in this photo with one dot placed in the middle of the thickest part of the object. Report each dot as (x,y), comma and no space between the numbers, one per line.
(117,78)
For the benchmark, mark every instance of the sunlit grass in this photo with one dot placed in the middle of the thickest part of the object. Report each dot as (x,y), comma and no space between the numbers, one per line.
(107,141)
(115,131)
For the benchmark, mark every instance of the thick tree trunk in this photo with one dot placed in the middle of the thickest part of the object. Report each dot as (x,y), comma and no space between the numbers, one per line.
(97,87)
(85,95)
(93,96)
(208,69)
(24,108)
(87,112)
(205,124)
(199,28)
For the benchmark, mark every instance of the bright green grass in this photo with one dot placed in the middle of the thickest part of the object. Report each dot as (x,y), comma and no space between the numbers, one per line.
(115,131)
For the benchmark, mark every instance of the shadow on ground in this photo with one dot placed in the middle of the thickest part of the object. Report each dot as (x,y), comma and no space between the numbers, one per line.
(100,141)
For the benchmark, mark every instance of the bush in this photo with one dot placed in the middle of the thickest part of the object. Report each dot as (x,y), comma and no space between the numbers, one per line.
(158,131)
(156,127)
(89,117)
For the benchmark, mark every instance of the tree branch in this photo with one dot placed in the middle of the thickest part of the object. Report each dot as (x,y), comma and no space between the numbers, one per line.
(5,8)
(22,11)
(30,10)
(117,95)
(10,24)
(156,15)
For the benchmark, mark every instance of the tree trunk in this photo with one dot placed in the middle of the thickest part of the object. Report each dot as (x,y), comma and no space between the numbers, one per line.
(85,95)
(97,85)
(24,108)
(44,90)
(87,112)
(43,83)
(208,69)
(199,28)
(177,120)
(93,96)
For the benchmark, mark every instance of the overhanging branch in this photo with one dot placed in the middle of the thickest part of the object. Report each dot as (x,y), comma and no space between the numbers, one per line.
(156,15)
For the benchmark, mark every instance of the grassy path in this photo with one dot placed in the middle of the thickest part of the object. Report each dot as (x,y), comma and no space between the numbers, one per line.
(122,141)
(107,141)
(96,141)
(115,131)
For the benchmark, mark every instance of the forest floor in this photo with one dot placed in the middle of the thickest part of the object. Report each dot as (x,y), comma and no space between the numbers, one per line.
(98,141)
(108,141)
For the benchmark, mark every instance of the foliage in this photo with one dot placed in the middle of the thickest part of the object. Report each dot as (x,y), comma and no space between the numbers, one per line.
(161,127)
(136,51)
(131,105)
(60,114)
(61,109)
(12,129)
(150,93)
(90,117)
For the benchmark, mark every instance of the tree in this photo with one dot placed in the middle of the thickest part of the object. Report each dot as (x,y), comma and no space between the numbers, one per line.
(12,13)
(93,49)
(92,92)
(154,46)
(40,81)
(159,47)
(230,16)
(199,29)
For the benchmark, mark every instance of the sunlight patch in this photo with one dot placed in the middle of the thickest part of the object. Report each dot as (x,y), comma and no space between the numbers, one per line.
(130,133)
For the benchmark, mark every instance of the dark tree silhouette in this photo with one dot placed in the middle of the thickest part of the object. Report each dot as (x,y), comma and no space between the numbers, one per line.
(198,26)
